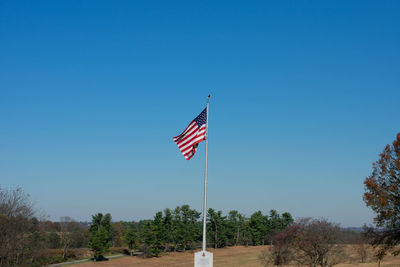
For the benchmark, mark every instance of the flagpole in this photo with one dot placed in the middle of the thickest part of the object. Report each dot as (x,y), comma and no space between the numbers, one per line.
(205,184)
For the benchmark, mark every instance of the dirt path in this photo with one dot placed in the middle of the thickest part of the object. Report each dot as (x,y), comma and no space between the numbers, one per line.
(80,261)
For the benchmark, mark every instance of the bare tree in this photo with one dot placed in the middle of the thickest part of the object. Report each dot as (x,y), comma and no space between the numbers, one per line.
(19,230)
(15,203)
(70,233)
(316,243)
(283,250)
(266,257)
(361,251)
(65,234)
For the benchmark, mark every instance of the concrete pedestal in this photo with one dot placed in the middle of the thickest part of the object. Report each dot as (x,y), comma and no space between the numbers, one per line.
(203,259)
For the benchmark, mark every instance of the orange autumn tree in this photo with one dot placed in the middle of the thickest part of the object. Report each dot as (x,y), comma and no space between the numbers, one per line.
(382,195)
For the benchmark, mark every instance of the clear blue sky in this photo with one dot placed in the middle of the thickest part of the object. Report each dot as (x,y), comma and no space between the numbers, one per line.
(305,95)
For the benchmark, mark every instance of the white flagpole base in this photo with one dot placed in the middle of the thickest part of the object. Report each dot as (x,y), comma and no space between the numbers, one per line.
(203,259)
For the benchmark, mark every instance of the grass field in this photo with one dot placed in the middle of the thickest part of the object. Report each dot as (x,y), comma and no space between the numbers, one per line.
(232,256)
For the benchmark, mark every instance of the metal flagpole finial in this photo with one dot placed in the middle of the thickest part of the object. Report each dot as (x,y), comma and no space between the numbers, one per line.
(208,97)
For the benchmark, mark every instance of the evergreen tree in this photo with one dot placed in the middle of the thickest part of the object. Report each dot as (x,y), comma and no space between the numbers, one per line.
(287,220)
(247,235)
(190,231)
(100,235)
(216,228)
(169,229)
(235,224)
(258,228)
(274,225)
(159,232)
(99,243)
(177,233)
(130,238)
(150,245)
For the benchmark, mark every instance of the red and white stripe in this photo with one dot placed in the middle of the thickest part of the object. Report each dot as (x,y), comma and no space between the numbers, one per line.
(187,141)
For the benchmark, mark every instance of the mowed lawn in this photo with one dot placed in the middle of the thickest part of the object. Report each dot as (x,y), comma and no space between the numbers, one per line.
(226,257)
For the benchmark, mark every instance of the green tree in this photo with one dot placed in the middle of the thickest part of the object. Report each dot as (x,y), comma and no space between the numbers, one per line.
(258,228)
(130,238)
(235,225)
(169,229)
(99,243)
(274,224)
(177,224)
(247,234)
(186,229)
(159,232)
(190,228)
(287,220)
(150,244)
(216,228)
(100,235)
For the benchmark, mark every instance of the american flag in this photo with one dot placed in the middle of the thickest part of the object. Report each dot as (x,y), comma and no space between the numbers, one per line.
(190,138)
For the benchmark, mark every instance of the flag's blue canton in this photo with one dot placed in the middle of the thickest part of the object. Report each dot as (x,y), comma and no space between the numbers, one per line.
(202,118)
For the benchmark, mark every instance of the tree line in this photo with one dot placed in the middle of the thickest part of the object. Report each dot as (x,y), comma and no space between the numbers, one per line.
(180,229)
(28,241)
(24,238)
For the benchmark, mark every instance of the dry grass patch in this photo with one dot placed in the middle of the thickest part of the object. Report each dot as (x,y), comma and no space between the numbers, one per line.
(226,257)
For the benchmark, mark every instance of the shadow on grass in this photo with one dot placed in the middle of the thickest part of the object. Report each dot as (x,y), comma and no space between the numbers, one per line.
(100,258)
